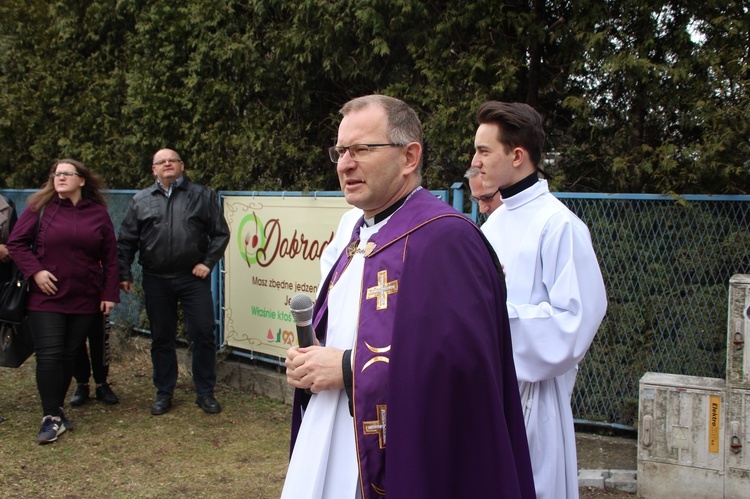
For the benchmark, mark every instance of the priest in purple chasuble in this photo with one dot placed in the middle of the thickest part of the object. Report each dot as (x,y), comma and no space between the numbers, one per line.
(414,392)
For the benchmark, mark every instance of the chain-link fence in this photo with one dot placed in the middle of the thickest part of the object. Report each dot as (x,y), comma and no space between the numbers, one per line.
(666,263)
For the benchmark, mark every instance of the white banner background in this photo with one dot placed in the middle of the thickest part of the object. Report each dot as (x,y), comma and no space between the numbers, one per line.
(274,253)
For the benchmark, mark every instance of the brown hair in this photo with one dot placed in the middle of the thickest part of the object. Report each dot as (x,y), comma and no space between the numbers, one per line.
(91,188)
(520,126)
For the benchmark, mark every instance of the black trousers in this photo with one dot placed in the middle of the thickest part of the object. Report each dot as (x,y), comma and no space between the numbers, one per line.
(99,352)
(162,297)
(57,341)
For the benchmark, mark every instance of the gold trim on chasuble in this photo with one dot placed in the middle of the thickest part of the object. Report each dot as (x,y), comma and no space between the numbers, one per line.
(377,427)
(377,358)
(377,489)
(380,293)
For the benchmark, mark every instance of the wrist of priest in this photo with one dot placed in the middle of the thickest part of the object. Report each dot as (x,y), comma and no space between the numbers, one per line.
(346,370)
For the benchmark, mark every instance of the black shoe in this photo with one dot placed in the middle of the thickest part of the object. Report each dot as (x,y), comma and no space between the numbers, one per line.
(208,403)
(80,395)
(161,405)
(105,394)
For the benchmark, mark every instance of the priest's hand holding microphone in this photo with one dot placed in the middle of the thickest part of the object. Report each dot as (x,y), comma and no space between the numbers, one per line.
(311,366)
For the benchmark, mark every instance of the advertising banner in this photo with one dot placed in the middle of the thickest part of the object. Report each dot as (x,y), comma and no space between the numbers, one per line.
(273,255)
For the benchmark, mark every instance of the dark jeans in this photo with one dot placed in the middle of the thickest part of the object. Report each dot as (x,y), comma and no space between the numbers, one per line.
(57,340)
(99,363)
(162,297)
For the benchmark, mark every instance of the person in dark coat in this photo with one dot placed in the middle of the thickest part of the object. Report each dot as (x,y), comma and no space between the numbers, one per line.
(98,365)
(8,219)
(179,231)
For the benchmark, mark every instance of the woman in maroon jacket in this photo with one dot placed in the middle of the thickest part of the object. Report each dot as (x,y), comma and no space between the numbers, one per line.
(68,284)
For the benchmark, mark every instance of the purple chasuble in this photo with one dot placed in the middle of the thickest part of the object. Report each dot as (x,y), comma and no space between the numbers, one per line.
(433,380)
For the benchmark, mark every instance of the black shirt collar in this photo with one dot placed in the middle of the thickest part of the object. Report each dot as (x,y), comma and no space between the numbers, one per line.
(520,186)
(379,217)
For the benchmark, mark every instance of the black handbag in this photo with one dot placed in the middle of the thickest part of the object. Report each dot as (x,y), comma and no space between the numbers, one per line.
(14,292)
(16,344)
(13,296)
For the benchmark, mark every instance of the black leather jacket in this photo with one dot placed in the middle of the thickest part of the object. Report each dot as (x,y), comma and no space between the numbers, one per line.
(172,234)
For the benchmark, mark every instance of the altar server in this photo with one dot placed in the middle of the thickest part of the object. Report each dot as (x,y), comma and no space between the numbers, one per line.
(556,295)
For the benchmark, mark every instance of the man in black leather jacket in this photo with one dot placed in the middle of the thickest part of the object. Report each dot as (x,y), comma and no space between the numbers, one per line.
(180,232)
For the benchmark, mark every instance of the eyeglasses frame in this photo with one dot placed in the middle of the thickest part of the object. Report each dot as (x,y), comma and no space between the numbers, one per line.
(167,161)
(334,150)
(64,174)
(485,197)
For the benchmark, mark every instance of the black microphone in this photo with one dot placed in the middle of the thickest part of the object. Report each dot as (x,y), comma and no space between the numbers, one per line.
(301,306)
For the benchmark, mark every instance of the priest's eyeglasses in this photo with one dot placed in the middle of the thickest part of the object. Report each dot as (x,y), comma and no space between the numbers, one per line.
(357,152)
(485,197)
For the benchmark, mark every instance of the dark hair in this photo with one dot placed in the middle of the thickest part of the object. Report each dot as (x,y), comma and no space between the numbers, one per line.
(520,126)
(91,188)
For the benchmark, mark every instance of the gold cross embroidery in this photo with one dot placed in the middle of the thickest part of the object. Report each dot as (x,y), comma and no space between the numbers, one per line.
(377,427)
(382,290)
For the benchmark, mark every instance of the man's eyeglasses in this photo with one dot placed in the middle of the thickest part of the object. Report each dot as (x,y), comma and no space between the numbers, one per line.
(357,152)
(486,197)
(65,174)
(165,161)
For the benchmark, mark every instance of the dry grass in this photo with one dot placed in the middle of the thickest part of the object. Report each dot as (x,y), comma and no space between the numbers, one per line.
(124,451)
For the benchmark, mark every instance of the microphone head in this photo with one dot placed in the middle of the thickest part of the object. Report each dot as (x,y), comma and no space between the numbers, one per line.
(301,307)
